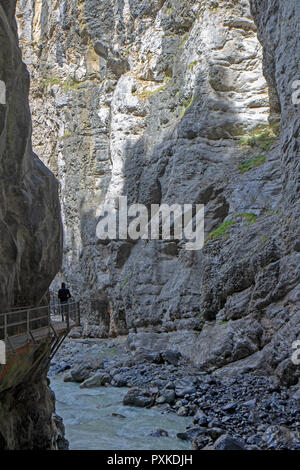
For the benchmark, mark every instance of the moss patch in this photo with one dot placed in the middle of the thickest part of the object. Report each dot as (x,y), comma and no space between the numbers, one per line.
(262,138)
(192,64)
(146,94)
(213,6)
(252,163)
(223,322)
(124,284)
(67,134)
(68,84)
(108,353)
(188,104)
(222,231)
(183,43)
(251,218)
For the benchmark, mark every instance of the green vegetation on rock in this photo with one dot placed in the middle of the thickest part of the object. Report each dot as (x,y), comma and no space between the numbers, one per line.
(183,42)
(192,64)
(187,104)
(223,322)
(262,138)
(213,6)
(250,217)
(124,284)
(146,94)
(66,135)
(222,231)
(252,163)
(68,84)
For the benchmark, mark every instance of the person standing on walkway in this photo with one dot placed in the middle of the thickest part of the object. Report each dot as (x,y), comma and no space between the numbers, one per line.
(64,296)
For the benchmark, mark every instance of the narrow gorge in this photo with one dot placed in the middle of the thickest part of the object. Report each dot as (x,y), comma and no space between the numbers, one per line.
(31,249)
(162,102)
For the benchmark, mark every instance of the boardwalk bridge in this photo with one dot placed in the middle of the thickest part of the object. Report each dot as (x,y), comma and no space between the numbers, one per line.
(24,330)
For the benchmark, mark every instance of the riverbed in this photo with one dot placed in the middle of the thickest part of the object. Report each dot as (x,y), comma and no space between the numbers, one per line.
(95,419)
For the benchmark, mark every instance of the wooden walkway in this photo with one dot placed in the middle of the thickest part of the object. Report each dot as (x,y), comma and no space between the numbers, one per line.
(18,341)
(35,325)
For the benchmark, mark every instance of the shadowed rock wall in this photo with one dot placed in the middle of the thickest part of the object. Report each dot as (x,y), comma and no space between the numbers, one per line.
(30,220)
(30,248)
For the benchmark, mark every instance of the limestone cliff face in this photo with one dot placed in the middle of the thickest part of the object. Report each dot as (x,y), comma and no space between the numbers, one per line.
(166,101)
(30,243)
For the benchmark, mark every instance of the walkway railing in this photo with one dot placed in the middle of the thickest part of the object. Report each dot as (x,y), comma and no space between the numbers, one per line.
(68,312)
(22,326)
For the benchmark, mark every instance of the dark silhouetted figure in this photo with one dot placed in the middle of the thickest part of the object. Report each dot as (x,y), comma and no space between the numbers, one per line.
(64,295)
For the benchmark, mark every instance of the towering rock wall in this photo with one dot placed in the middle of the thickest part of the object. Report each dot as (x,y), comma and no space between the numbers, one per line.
(30,245)
(29,215)
(166,101)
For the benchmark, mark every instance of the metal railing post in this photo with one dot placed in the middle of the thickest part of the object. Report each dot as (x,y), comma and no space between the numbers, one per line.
(78,313)
(28,325)
(67,315)
(49,316)
(5,327)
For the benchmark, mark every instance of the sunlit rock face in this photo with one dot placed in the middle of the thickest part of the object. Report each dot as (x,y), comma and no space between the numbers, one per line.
(164,102)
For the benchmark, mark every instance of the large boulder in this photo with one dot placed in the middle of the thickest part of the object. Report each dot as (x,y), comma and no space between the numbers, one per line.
(78,374)
(227,442)
(97,380)
(171,357)
(138,397)
(280,437)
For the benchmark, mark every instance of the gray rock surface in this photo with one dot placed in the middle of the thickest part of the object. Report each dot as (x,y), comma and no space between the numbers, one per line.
(171,101)
(30,251)
(30,222)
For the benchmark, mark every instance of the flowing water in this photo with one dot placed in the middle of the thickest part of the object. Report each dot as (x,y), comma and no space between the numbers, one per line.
(87,415)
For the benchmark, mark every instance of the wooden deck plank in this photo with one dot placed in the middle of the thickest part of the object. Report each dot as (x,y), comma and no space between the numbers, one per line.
(39,334)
